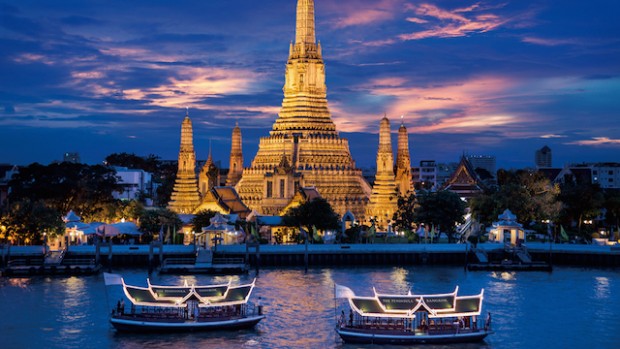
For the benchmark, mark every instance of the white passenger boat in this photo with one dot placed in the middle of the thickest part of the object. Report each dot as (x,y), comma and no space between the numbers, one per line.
(411,318)
(184,308)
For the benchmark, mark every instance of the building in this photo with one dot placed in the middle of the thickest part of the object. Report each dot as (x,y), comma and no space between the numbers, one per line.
(135,183)
(185,197)
(606,174)
(6,174)
(402,170)
(303,148)
(464,181)
(485,162)
(384,198)
(236,158)
(71,157)
(542,157)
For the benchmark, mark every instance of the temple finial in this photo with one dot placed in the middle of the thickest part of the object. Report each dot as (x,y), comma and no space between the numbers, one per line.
(305,22)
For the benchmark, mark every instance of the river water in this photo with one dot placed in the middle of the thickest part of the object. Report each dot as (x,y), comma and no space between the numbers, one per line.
(567,308)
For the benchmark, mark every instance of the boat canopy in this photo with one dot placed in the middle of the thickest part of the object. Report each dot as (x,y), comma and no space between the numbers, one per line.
(436,305)
(178,296)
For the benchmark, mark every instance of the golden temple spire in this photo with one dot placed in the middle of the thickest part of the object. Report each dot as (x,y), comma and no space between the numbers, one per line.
(305,22)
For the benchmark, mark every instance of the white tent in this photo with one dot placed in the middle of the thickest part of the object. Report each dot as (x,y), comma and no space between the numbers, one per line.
(128,228)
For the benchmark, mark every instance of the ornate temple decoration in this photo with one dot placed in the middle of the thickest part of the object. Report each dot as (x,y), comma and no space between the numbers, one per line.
(185,197)
(464,181)
(384,198)
(303,148)
(404,179)
(209,176)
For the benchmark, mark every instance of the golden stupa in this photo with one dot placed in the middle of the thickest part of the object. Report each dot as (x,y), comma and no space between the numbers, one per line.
(303,148)
(185,195)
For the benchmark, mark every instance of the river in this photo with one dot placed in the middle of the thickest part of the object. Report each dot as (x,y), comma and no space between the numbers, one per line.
(567,308)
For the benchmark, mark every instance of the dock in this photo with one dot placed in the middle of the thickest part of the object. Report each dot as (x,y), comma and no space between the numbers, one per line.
(204,263)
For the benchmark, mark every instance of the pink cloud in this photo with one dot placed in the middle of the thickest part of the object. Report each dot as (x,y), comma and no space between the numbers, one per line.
(598,141)
(416,20)
(354,13)
(548,42)
(452,23)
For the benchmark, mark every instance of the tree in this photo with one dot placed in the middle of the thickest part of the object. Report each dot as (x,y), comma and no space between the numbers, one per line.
(443,209)
(529,195)
(581,201)
(66,186)
(202,219)
(154,221)
(317,213)
(27,221)
(612,207)
(403,218)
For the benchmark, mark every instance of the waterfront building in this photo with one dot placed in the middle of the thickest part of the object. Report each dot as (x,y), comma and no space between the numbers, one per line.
(425,176)
(135,182)
(6,174)
(404,179)
(542,158)
(185,197)
(384,198)
(606,174)
(235,169)
(225,200)
(303,148)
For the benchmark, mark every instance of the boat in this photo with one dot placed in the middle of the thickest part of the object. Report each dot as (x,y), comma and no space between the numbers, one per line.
(184,308)
(411,318)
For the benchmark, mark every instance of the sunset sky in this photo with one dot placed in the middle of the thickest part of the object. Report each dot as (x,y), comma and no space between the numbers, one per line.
(500,78)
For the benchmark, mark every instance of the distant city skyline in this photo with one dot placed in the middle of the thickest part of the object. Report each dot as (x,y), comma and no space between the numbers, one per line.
(475,78)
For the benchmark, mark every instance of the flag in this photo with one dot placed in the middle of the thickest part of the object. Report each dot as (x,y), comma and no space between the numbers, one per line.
(315,235)
(563,235)
(254,232)
(344,292)
(432,233)
(112,279)
(161,233)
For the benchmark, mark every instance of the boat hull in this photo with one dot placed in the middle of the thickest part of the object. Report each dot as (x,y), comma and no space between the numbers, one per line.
(141,325)
(368,337)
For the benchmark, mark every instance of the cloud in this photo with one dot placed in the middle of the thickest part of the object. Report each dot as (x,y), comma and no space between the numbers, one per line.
(455,23)
(548,136)
(549,42)
(597,141)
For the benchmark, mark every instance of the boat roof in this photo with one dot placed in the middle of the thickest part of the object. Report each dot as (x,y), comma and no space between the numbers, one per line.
(178,296)
(436,305)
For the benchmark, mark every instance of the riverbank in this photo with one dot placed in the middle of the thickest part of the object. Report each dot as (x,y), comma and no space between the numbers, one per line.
(324,254)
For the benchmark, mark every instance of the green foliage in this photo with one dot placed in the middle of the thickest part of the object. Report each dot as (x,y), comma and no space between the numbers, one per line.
(581,201)
(202,219)
(529,195)
(151,221)
(317,212)
(443,209)
(66,186)
(27,220)
(404,216)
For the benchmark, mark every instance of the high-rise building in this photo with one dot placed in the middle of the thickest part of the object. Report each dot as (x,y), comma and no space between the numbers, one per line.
(543,157)
(485,162)
(185,197)
(303,148)
(384,198)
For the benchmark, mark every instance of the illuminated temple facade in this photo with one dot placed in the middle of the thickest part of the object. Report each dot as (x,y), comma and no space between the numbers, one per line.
(185,195)
(303,148)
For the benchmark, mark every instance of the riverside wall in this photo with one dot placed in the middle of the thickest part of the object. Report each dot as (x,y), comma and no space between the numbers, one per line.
(127,256)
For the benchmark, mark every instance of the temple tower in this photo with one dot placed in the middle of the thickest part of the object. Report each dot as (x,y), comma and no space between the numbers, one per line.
(384,199)
(185,197)
(404,180)
(209,176)
(303,148)
(236,158)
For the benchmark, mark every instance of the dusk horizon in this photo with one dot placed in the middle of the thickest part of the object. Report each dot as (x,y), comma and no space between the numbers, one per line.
(464,77)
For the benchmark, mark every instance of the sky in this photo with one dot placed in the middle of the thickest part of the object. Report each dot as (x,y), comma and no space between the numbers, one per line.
(500,78)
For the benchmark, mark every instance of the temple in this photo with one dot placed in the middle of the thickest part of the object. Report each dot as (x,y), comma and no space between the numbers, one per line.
(303,148)
(384,197)
(185,195)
